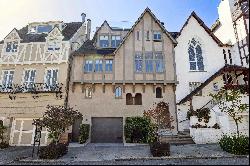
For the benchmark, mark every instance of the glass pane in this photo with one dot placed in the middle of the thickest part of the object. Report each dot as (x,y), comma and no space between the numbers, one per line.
(191,53)
(192,65)
(32,77)
(149,65)
(44,28)
(148,55)
(158,55)
(159,66)
(26,77)
(8,47)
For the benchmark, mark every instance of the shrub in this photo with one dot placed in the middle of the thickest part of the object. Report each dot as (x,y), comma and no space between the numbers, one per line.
(139,130)
(84,133)
(53,151)
(159,149)
(4,145)
(235,145)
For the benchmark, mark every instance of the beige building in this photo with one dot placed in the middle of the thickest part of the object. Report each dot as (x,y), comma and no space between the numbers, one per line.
(33,73)
(121,73)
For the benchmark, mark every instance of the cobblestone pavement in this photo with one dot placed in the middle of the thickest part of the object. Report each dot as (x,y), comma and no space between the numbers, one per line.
(219,161)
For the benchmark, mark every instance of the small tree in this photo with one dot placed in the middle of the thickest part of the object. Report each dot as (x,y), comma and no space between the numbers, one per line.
(2,130)
(230,102)
(160,116)
(57,119)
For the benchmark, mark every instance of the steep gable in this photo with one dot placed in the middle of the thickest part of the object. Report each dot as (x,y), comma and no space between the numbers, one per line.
(147,10)
(203,25)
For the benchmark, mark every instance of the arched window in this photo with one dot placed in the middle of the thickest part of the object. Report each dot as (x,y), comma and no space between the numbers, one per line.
(195,56)
(129,99)
(118,92)
(158,92)
(138,99)
(88,92)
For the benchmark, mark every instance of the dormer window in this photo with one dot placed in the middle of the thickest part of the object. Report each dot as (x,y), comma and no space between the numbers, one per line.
(53,46)
(44,28)
(104,41)
(12,46)
(115,41)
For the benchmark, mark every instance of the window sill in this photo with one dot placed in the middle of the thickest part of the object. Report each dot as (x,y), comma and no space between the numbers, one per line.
(197,71)
(155,40)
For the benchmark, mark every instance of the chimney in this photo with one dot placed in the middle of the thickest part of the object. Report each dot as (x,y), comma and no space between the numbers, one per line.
(83,17)
(88,28)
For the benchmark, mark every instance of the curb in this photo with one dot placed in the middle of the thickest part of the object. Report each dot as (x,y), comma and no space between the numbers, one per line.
(140,158)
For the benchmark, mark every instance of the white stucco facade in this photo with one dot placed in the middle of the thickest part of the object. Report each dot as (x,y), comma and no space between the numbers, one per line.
(212,53)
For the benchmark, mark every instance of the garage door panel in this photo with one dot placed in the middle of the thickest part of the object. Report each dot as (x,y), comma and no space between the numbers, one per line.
(107,130)
(26,138)
(42,140)
(18,125)
(16,138)
(27,125)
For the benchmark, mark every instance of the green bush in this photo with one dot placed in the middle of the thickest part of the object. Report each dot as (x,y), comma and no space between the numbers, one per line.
(53,151)
(235,145)
(139,130)
(84,133)
(4,145)
(159,149)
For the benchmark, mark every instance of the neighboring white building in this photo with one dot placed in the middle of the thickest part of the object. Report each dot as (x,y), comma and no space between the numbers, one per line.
(199,54)
(232,27)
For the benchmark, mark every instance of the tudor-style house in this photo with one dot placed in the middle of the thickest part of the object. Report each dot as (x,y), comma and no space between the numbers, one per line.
(33,73)
(121,73)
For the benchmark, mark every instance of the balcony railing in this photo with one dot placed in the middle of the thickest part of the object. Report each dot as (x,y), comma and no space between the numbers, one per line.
(32,88)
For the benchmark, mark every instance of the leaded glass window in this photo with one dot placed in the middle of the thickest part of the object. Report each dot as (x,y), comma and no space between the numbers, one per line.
(104,41)
(118,92)
(7,78)
(195,56)
(149,62)
(29,78)
(115,41)
(12,46)
(159,65)
(51,78)
(44,28)
(157,36)
(98,65)
(88,67)
(138,62)
(109,65)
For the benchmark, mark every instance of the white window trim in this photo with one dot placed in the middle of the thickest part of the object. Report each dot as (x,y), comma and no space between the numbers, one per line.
(45,74)
(158,32)
(26,69)
(2,75)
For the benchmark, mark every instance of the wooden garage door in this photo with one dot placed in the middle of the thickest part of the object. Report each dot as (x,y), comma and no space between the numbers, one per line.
(22,133)
(107,130)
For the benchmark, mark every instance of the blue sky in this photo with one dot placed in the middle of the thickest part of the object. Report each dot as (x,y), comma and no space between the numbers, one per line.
(172,12)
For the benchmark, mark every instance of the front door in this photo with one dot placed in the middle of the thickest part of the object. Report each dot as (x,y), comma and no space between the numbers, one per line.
(76,130)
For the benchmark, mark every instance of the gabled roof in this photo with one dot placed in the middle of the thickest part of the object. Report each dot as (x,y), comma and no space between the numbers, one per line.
(203,25)
(67,32)
(88,47)
(147,10)
(226,68)
(112,28)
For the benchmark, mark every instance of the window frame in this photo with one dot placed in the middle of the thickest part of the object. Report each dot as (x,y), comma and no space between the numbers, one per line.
(157,33)
(27,83)
(151,59)
(104,35)
(90,94)
(98,66)
(116,43)
(12,50)
(197,84)
(194,47)
(137,60)
(162,62)
(108,65)
(88,64)
(120,92)
(44,25)
(8,78)
(48,87)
